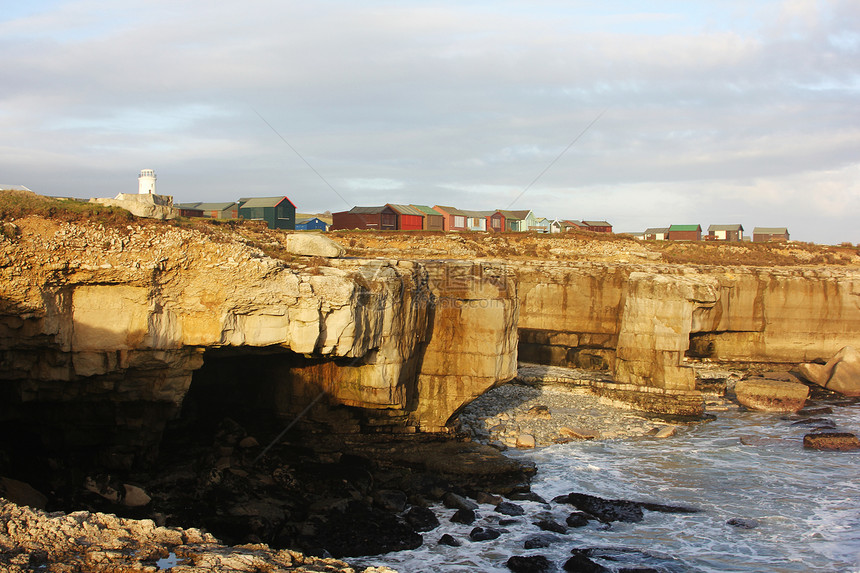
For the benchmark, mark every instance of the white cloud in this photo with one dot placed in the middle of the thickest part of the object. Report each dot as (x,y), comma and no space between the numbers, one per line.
(448,102)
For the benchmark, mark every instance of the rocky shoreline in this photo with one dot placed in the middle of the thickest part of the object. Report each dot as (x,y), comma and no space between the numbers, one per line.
(334,496)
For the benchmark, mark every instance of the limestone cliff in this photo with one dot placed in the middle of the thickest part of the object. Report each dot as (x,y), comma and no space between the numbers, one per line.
(103,329)
(116,321)
(641,321)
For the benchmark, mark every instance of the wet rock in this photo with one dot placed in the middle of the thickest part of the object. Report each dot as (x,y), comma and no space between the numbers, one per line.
(488,498)
(822,411)
(509,521)
(363,530)
(550,525)
(609,510)
(464,516)
(484,534)
(820,423)
(577,519)
(390,500)
(580,563)
(449,540)
(831,441)
(508,508)
(606,510)
(742,523)
(526,496)
(422,519)
(539,541)
(665,432)
(771,395)
(528,564)
(454,501)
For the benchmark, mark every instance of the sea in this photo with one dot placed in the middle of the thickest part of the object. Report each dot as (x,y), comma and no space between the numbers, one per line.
(798,509)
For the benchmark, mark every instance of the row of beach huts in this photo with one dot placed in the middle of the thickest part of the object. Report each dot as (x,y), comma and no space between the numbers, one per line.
(280,213)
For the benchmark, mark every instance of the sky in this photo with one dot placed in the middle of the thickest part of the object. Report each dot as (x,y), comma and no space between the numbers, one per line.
(645,114)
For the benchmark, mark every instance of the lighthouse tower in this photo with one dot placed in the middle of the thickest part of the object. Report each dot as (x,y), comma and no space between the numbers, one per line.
(146,182)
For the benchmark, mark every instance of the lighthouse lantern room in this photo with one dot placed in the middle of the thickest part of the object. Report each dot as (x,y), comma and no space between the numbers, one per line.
(146,182)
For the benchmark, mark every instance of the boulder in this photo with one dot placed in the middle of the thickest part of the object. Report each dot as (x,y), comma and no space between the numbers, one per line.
(135,496)
(539,541)
(771,395)
(831,441)
(484,534)
(577,433)
(464,516)
(452,500)
(550,525)
(577,519)
(508,508)
(840,374)
(742,523)
(22,493)
(449,540)
(422,519)
(529,564)
(313,245)
(525,441)
(580,563)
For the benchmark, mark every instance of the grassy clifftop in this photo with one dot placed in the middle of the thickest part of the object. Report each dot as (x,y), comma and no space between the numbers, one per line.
(570,246)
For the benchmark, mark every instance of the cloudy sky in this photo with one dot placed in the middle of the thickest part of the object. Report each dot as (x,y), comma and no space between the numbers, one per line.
(642,113)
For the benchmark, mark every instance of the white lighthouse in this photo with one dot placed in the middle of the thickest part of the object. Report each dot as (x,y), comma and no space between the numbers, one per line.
(146,182)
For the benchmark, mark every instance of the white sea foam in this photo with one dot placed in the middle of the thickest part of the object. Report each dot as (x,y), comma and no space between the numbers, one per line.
(806,503)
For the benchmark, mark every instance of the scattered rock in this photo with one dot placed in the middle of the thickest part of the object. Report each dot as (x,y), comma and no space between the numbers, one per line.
(465,516)
(771,395)
(579,563)
(528,564)
(609,510)
(484,534)
(831,441)
(390,499)
(539,541)
(577,519)
(525,441)
(452,500)
(488,498)
(742,523)
(422,519)
(526,496)
(550,525)
(539,412)
(508,508)
(665,432)
(577,433)
(449,541)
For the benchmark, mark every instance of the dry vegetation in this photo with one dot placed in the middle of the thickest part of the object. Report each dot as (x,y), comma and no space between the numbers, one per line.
(571,246)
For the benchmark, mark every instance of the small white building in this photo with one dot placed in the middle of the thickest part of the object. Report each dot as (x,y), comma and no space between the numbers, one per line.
(146,182)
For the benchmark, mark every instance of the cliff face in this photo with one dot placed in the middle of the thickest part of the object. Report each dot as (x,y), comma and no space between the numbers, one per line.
(640,321)
(101,331)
